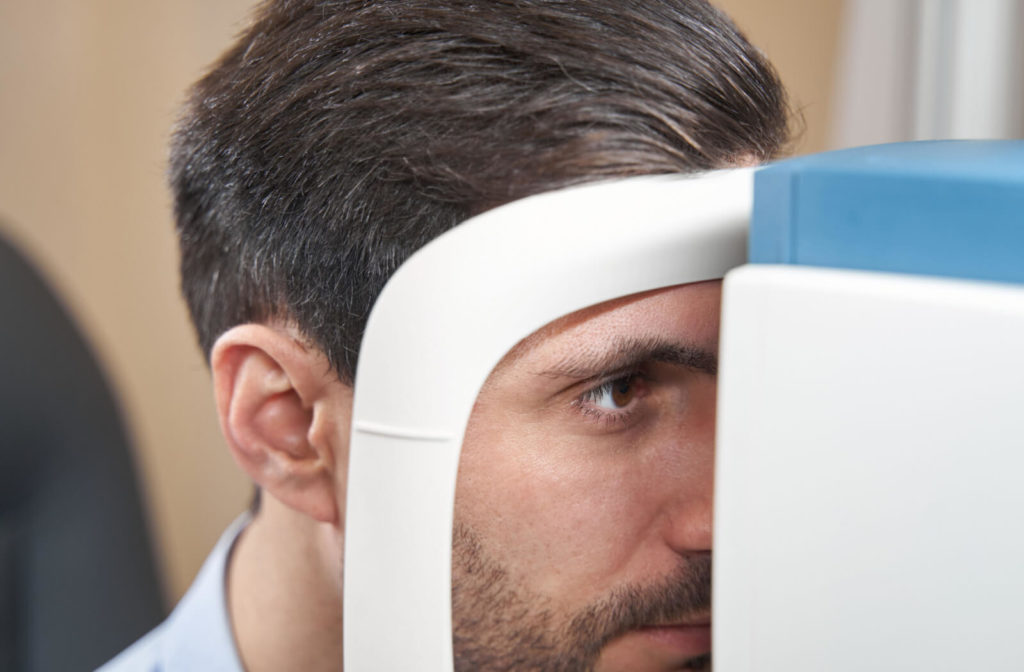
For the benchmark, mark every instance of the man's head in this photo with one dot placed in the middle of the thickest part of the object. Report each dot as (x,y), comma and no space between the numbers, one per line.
(337,137)
(334,140)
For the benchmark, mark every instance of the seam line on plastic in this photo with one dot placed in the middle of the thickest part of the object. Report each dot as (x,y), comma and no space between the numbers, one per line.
(401,432)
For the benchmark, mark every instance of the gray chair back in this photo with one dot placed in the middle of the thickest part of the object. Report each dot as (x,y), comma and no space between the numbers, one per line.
(77,576)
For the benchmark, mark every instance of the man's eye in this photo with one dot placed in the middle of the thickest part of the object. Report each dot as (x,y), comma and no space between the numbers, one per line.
(615,394)
(617,403)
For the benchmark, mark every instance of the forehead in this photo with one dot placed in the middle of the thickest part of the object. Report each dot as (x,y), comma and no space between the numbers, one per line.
(686,315)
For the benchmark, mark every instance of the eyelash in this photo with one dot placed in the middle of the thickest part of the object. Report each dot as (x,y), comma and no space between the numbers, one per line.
(610,419)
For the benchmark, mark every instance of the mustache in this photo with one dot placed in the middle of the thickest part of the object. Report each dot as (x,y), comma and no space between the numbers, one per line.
(683,595)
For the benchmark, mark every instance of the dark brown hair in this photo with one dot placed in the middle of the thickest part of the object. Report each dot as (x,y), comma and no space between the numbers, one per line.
(338,136)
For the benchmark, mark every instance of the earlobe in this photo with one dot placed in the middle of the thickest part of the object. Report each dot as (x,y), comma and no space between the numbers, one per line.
(280,405)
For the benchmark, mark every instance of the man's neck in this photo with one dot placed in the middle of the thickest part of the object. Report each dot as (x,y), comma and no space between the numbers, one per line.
(284,594)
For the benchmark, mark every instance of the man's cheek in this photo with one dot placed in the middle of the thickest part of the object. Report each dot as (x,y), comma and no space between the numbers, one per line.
(588,539)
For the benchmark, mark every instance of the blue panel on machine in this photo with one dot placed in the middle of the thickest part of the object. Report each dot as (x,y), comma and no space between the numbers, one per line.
(946,208)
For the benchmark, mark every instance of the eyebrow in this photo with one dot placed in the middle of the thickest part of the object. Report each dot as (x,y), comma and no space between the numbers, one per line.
(627,353)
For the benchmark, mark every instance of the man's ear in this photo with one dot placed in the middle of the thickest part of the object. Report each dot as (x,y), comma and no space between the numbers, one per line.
(285,415)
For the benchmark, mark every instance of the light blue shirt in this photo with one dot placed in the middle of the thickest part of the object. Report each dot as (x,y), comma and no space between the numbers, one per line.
(197,634)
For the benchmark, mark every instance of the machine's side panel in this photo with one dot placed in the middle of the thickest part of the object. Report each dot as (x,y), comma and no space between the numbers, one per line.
(869,495)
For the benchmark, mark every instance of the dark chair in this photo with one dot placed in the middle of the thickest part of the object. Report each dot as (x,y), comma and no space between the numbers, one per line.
(77,576)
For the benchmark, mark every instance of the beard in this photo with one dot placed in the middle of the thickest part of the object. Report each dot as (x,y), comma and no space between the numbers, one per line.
(499,626)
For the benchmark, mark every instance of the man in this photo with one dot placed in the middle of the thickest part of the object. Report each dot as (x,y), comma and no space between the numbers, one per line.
(332,141)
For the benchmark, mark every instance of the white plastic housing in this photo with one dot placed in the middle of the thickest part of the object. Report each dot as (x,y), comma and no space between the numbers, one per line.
(869,499)
(442,323)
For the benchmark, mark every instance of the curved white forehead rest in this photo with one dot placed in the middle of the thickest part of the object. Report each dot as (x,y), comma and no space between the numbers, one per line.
(439,327)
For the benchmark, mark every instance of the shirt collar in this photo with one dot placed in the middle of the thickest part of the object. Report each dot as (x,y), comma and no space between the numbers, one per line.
(198,633)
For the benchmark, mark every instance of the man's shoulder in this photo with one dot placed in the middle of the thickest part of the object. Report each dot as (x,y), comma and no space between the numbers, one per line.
(197,635)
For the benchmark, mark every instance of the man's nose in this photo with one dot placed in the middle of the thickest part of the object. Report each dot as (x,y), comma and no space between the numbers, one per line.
(690,523)
(691,483)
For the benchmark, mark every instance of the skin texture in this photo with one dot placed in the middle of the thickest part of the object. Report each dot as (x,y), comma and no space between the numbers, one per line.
(583,515)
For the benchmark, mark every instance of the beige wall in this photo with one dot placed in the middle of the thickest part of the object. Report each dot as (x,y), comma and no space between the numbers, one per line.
(800,37)
(88,92)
